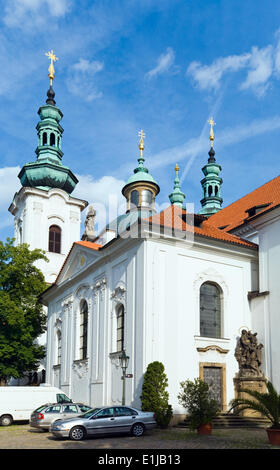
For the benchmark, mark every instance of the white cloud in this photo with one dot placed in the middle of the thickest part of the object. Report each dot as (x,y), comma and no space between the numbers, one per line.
(104,194)
(260,66)
(209,76)
(9,184)
(200,145)
(26,14)
(164,62)
(260,70)
(80,79)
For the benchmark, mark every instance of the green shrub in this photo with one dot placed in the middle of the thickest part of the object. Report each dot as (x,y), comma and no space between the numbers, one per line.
(195,398)
(154,394)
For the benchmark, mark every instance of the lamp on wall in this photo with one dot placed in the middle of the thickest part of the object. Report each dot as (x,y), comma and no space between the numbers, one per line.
(124,359)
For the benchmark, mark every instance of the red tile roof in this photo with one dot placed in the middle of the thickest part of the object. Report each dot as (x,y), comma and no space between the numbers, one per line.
(93,246)
(177,219)
(264,198)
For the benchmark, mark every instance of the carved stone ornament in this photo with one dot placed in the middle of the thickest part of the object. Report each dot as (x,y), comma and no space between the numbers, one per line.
(80,367)
(58,323)
(248,354)
(118,294)
(66,303)
(99,287)
(210,275)
(82,292)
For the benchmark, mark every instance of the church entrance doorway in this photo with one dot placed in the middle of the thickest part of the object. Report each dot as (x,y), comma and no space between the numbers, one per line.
(214,375)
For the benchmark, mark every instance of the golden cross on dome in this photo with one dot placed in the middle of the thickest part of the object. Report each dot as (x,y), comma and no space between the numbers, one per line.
(176,169)
(53,59)
(212,124)
(142,136)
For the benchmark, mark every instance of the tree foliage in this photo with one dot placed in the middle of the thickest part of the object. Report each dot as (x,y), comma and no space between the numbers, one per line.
(22,318)
(195,397)
(268,404)
(154,394)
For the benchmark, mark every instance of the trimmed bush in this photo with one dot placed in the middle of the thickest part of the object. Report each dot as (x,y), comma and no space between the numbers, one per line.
(154,394)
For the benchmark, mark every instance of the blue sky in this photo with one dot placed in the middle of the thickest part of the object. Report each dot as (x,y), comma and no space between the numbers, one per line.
(165,66)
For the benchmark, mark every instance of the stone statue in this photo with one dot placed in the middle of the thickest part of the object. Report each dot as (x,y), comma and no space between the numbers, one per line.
(248,354)
(89,233)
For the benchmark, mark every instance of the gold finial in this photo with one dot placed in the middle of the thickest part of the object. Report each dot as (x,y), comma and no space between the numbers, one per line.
(176,169)
(212,124)
(142,136)
(52,58)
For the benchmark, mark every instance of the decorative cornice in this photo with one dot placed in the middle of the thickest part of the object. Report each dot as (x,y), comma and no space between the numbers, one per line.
(213,347)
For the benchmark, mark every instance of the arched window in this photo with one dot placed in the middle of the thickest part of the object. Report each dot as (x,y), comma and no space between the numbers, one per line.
(83,329)
(216,190)
(55,239)
(120,328)
(146,197)
(45,138)
(210,310)
(134,198)
(52,139)
(58,342)
(210,190)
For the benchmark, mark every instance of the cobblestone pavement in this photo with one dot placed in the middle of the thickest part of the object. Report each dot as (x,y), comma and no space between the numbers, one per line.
(21,436)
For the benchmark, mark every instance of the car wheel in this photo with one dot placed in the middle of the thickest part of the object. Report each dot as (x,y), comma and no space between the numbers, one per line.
(77,433)
(137,430)
(6,420)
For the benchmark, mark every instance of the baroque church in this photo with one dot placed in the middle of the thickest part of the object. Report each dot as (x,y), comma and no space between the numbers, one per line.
(173,286)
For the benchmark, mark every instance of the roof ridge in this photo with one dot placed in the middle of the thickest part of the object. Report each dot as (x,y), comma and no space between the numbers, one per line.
(248,194)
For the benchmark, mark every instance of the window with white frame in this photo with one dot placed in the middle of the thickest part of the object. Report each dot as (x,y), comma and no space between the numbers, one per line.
(83,329)
(58,347)
(210,310)
(120,328)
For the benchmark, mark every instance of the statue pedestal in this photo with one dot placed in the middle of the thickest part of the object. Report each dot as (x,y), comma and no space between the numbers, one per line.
(257,383)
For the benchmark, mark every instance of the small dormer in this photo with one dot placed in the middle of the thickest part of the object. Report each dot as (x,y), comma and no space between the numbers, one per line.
(256,209)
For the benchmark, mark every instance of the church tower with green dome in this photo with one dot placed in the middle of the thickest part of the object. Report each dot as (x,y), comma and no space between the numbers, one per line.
(45,215)
(177,197)
(141,189)
(211,183)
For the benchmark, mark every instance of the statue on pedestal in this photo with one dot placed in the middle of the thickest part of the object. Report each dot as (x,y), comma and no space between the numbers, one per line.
(89,233)
(248,354)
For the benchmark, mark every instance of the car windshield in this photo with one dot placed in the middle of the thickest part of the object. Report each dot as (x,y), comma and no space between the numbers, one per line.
(89,413)
(40,408)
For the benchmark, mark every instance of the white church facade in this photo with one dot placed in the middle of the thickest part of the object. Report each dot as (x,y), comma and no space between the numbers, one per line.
(174,286)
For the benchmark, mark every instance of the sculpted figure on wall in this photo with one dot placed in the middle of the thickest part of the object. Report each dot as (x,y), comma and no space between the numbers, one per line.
(248,354)
(89,233)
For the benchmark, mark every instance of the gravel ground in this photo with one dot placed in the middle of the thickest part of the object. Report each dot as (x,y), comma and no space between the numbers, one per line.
(21,436)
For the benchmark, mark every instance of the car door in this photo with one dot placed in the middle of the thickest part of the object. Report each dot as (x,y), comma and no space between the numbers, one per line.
(102,422)
(51,414)
(124,418)
(69,411)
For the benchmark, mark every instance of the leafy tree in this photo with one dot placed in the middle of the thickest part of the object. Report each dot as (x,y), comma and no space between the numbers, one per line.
(22,318)
(195,397)
(154,394)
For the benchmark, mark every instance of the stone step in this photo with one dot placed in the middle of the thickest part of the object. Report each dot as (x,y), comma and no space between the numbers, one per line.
(234,421)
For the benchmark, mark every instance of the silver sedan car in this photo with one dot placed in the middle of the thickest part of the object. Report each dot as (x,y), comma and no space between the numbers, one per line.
(105,420)
(45,415)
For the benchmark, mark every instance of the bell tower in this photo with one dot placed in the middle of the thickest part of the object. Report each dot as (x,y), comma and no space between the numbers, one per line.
(211,184)
(46,216)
